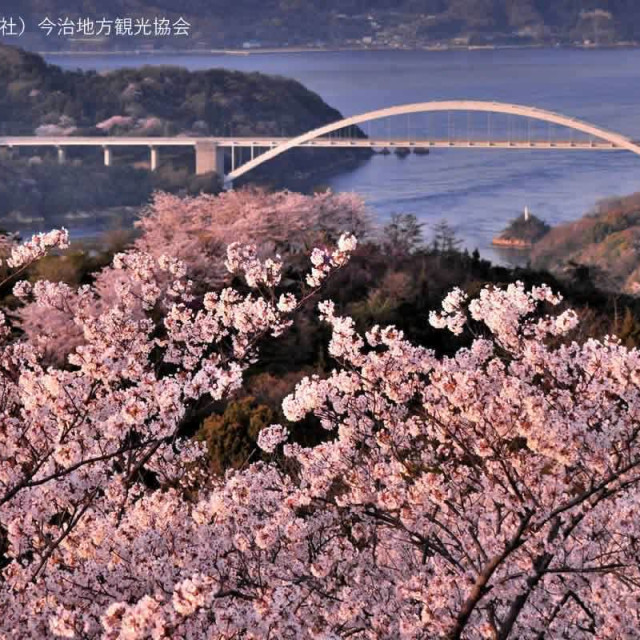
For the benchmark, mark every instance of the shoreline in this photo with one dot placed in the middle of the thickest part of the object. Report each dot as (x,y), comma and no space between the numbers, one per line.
(299,50)
(512,243)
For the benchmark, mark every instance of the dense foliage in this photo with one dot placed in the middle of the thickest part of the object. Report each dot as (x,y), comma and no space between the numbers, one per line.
(492,493)
(152,100)
(197,231)
(394,277)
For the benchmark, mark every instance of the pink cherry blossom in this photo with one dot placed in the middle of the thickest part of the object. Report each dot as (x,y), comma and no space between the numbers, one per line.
(488,494)
(270,437)
(37,247)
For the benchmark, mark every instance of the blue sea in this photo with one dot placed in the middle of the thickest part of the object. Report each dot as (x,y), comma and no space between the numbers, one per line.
(477,191)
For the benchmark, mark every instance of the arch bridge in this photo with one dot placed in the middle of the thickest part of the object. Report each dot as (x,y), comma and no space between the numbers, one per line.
(598,138)
(348,133)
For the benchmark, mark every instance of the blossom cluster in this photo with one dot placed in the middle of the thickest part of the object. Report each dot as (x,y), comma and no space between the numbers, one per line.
(324,260)
(84,443)
(256,272)
(36,248)
(197,231)
(489,494)
(270,437)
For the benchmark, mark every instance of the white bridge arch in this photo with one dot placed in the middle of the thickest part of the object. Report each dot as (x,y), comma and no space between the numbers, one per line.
(615,139)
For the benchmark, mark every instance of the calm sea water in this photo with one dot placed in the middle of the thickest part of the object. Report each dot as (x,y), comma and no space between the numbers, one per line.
(478,192)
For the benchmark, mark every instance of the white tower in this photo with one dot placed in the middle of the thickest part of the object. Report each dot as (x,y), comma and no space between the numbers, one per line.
(526,213)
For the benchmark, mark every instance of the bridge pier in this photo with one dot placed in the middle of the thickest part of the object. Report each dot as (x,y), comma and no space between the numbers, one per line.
(154,161)
(209,157)
(107,156)
(62,155)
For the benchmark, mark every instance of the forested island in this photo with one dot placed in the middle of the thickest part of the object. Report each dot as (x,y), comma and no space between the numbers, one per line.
(37,98)
(522,232)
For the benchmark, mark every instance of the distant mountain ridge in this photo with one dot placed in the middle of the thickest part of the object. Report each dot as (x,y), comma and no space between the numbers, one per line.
(391,23)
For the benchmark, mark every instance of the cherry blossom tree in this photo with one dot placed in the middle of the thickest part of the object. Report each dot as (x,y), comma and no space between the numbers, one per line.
(84,442)
(492,494)
(197,231)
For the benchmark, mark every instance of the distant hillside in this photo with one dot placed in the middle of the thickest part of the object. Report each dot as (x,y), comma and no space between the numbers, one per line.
(604,244)
(152,100)
(41,99)
(392,23)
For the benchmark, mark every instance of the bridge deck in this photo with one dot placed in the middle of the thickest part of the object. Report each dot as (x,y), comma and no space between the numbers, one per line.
(228,142)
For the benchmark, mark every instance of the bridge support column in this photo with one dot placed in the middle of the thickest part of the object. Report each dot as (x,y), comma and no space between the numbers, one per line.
(154,158)
(209,157)
(107,156)
(62,155)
